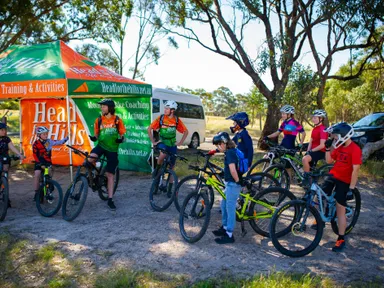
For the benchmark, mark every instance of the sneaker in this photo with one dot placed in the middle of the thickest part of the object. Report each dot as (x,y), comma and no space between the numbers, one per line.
(220,232)
(111,205)
(339,246)
(9,203)
(225,239)
(35,197)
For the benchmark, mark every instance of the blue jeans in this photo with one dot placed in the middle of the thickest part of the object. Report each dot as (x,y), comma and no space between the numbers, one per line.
(228,206)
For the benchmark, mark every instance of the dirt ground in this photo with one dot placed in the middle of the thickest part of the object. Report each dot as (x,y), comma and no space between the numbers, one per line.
(137,237)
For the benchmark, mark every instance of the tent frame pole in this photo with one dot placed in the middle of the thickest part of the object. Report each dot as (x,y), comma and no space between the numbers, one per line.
(70,137)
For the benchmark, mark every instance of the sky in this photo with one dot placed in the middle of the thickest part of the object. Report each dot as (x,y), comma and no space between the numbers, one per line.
(192,66)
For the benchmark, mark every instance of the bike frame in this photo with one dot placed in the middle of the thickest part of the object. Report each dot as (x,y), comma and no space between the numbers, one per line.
(217,185)
(331,203)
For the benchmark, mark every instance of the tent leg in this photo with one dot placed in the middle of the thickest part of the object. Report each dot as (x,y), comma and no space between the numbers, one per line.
(70,138)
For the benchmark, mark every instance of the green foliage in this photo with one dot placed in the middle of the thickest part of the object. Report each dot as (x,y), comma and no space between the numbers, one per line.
(301,91)
(35,21)
(225,103)
(9,105)
(352,100)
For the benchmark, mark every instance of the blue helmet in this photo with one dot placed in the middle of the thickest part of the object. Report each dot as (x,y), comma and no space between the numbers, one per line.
(241,118)
(3,125)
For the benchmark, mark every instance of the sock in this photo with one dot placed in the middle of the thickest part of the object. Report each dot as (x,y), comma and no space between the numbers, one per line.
(229,234)
(110,200)
(341,237)
(170,185)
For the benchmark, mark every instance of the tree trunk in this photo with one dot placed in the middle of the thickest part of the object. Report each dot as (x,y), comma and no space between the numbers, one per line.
(319,99)
(271,123)
(371,147)
(260,121)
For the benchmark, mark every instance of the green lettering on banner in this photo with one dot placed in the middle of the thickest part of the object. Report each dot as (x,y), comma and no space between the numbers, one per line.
(136,115)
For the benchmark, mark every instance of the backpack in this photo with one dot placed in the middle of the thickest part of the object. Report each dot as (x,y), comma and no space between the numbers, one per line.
(162,118)
(116,122)
(242,165)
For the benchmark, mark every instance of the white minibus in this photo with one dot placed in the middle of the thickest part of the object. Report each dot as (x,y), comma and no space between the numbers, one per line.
(189,109)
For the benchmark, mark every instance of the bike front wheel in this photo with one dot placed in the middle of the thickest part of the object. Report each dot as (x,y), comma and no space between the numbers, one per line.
(103,183)
(4,198)
(49,198)
(163,189)
(194,216)
(188,185)
(266,203)
(74,198)
(280,174)
(352,213)
(305,228)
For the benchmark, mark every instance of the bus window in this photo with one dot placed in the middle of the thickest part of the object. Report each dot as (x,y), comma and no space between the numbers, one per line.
(155,105)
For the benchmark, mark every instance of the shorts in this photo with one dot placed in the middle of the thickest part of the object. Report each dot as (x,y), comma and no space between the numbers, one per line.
(316,157)
(112,158)
(341,188)
(170,149)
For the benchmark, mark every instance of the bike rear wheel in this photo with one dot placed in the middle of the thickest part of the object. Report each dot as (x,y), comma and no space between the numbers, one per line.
(74,198)
(259,166)
(194,216)
(272,198)
(50,203)
(352,214)
(103,191)
(162,194)
(4,198)
(280,174)
(299,218)
(188,185)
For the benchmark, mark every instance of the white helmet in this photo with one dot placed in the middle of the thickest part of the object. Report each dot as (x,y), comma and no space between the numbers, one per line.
(41,129)
(319,113)
(171,104)
(287,109)
(343,130)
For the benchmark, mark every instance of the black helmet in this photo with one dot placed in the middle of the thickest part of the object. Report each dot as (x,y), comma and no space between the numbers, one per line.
(221,137)
(241,118)
(3,125)
(108,102)
(343,130)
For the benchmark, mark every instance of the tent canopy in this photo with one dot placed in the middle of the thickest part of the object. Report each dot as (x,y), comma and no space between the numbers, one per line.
(55,70)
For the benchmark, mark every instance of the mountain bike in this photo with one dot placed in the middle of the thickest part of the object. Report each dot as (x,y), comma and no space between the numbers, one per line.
(256,205)
(274,154)
(4,186)
(94,177)
(287,161)
(49,195)
(306,223)
(162,194)
(192,182)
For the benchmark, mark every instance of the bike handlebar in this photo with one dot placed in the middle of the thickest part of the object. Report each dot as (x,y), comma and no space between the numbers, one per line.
(171,154)
(79,152)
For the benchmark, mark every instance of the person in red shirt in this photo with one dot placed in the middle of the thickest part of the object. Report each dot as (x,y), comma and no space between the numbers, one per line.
(347,158)
(316,147)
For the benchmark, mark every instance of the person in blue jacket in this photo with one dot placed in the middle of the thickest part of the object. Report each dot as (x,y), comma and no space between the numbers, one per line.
(242,139)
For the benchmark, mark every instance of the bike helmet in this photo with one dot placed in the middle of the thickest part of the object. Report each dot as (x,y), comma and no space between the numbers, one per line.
(288,109)
(241,118)
(108,102)
(41,130)
(171,104)
(3,125)
(319,113)
(343,130)
(221,137)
